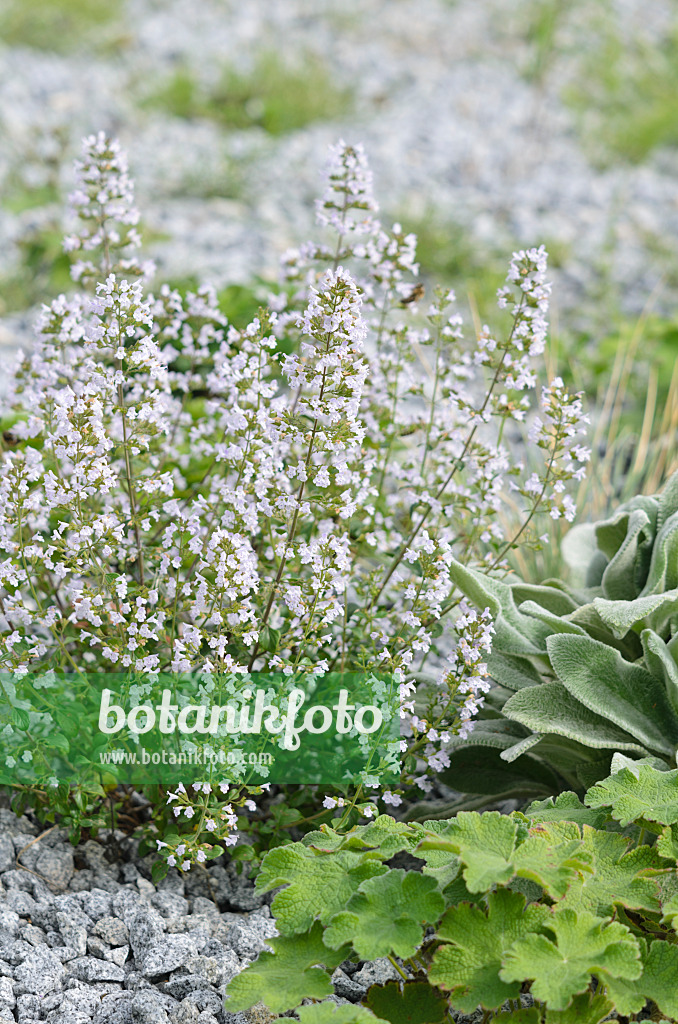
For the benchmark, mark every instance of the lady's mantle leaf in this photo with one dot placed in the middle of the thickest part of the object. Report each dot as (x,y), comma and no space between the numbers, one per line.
(657,982)
(642,793)
(490,849)
(620,876)
(330,1013)
(583,946)
(469,966)
(554,868)
(386,915)
(283,978)
(565,807)
(318,885)
(484,843)
(383,837)
(416,1002)
(526,1015)
(586,1008)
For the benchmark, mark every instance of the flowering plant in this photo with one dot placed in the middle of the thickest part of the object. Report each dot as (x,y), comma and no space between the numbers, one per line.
(179,495)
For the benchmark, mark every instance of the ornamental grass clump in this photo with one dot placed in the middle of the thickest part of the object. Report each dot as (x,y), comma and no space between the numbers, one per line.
(178,495)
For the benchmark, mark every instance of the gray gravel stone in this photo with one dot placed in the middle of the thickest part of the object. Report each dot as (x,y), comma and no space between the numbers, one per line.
(146,931)
(7,997)
(72,931)
(41,971)
(9,920)
(186,1013)
(96,903)
(28,1007)
(346,987)
(62,1016)
(22,903)
(112,930)
(146,1009)
(171,952)
(7,853)
(375,973)
(117,956)
(246,934)
(96,947)
(56,866)
(31,933)
(65,953)
(14,950)
(16,878)
(89,968)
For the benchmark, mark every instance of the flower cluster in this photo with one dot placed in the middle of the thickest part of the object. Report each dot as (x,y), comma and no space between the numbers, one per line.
(558,430)
(209,813)
(104,203)
(182,495)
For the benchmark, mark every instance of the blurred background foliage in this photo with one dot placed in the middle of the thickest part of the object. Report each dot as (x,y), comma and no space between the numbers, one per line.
(620,90)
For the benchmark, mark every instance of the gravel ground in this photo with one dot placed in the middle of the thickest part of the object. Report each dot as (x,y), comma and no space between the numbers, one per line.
(84,938)
(442,100)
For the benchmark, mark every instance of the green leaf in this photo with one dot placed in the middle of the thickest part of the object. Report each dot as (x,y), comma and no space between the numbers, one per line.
(624,693)
(330,1013)
(67,722)
(565,807)
(653,612)
(477,766)
(643,793)
(550,596)
(667,843)
(483,842)
(551,709)
(555,623)
(553,867)
(662,664)
(562,967)
(283,978)
(657,982)
(159,871)
(620,876)
(521,747)
(511,671)
(620,761)
(19,718)
(516,633)
(441,864)
(383,837)
(587,1008)
(659,977)
(416,1002)
(318,885)
(269,638)
(627,541)
(469,964)
(386,915)
(526,1015)
(668,500)
(663,573)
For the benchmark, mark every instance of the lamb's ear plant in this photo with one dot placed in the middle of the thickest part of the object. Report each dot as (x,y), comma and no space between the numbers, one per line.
(566,912)
(581,671)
